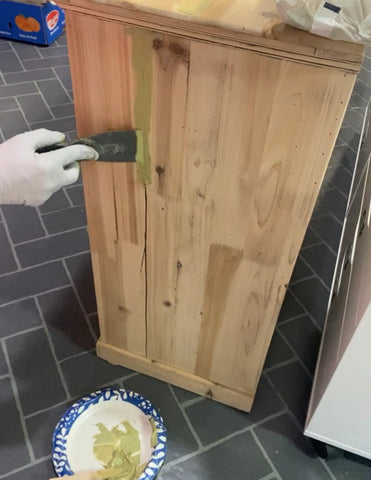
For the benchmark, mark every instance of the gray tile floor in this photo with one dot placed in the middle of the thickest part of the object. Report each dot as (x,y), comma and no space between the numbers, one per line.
(48,321)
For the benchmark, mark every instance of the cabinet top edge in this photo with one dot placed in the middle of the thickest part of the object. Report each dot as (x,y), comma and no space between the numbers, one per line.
(244,21)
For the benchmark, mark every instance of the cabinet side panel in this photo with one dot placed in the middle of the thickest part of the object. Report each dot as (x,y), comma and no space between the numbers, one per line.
(104,86)
(232,202)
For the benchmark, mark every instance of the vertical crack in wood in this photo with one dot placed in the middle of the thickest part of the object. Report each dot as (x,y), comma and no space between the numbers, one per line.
(145,259)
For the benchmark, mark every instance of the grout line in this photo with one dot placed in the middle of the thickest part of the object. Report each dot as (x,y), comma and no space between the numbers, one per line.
(1,135)
(327,468)
(25,467)
(296,356)
(288,320)
(18,402)
(80,354)
(294,282)
(63,380)
(92,314)
(16,259)
(271,476)
(315,274)
(27,330)
(44,100)
(193,401)
(206,448)
(280,364)
(42,222)
(3,377)
(287,410)
(186,418)
(274,473)
(18,58)
(49,236)
(22,113)
(43,410)
(61,83)
(306,310)
(6,304)
(90,328)
(69,199)
(128,377)
(42,264)
(10,110)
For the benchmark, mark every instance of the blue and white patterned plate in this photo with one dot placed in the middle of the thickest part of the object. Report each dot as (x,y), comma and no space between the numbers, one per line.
(73,437)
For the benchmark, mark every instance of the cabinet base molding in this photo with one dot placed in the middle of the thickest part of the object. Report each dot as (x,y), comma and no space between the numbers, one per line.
(180,378)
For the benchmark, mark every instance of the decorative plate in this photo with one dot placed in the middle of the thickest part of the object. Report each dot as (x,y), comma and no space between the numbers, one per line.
(73,438)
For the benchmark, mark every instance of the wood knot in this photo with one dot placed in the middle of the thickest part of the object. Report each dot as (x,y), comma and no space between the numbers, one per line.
(177,49)
(157,43)
(160,170)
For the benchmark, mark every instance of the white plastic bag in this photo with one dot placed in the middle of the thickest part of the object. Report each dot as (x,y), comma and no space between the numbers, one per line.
(348,20)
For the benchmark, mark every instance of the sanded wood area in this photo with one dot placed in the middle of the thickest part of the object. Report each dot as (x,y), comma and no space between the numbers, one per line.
(194,246)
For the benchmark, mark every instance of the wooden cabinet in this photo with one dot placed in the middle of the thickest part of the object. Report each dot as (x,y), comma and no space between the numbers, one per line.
(339,412)
(193,247)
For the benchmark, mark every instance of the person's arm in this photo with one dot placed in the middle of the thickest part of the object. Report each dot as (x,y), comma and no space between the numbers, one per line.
(30,178)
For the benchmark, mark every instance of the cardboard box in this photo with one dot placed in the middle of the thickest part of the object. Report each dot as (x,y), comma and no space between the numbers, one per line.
(39,23)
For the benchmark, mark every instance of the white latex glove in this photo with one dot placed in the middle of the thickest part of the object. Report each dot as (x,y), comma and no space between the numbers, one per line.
(30,178)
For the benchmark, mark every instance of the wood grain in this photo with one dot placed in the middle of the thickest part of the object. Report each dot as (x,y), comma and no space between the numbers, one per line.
(115,198)
(253,26)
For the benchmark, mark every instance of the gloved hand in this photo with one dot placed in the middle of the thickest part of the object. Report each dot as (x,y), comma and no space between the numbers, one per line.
(30,178)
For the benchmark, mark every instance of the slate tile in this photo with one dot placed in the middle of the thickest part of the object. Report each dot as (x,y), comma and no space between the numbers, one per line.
(94,322)
(65,76)
(86,373)
(31,76)
(7,262)
(342,180)
(45,62)
(290,308)
(9,63)
(12,123)
(333,203)
(38,471)
(65,320)
(34,108)
(314,296)
(3,365)
(62,40)
(184,395)
(345,157)
(180,438)
(238,458)
(32,281)
(329,229)
(290,452)
(203,414)
(348,466)
(23,223)
(294,385)
(76,194)
(353,119)
(305,339)
(322,260)
(8,104)
(53,92)
(48,52)
(278,351)
(19,316)
(60,124)
(57,201)
(35,371)
(350,137)
(50,248)
(5,46)
(71,136)
(25,50)
(81,271)
(63,111)
(14,90)
(41,426)
(357,101)
(301,270)
(67,219)
(361,86)
(310,238)
(13,450)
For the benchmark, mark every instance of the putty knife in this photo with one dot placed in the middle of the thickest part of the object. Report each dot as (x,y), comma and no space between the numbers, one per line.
(115,146)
